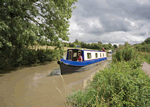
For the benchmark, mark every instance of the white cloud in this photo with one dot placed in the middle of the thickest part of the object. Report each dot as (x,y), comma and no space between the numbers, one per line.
(142,1)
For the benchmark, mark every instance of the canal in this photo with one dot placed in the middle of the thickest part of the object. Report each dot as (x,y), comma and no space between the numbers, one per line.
(40,86)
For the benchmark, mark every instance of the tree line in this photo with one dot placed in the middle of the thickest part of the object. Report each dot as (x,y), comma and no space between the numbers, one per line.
(144,46)
(97,46)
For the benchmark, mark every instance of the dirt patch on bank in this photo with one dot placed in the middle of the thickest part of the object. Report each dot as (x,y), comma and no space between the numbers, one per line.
(146,68)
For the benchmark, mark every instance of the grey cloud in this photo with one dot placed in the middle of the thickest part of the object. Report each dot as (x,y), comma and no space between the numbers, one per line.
(111,15)
(143,11)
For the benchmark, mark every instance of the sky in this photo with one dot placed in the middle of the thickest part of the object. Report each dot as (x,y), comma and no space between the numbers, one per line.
(110,21)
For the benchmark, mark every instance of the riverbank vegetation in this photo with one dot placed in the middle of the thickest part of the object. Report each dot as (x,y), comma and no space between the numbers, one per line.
(122,84)
(145,56)
(144,50)
(26,57)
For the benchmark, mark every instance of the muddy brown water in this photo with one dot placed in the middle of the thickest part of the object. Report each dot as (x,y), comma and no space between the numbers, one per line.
(35,87)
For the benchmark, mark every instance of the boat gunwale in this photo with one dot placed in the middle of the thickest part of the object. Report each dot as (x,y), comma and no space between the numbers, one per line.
(84,63)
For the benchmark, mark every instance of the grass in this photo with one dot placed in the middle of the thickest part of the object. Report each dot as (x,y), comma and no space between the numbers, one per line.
(145,56)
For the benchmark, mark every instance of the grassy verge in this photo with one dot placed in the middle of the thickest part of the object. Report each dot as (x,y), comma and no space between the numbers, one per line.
(145,56)
(122,84)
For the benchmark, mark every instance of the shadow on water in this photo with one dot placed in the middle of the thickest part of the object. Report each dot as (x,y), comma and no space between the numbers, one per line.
(13,69)
(8,70)
(1,75)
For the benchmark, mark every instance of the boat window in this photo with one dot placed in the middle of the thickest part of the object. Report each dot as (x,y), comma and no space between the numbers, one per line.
(70,54)
(103,54)
(96,55)
(88,55)
(100,54)
(75,54)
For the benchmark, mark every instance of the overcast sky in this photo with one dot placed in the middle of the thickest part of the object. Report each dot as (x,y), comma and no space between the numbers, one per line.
(110,21)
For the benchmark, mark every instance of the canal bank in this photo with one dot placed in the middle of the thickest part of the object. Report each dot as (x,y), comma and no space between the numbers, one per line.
(35,87)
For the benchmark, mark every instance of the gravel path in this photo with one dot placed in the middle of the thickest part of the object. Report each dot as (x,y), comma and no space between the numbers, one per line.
(146,68)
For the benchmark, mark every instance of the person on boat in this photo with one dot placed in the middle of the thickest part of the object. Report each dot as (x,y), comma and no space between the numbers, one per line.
(80,59)
(103,49)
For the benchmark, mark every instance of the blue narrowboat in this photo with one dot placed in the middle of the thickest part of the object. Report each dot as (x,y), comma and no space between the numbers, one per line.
(90,58)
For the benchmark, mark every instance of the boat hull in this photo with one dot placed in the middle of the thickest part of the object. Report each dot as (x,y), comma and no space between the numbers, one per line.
(66,69)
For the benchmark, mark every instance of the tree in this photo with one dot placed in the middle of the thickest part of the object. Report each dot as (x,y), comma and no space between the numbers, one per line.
(99,42)
(76,41)
(120,45)
(21,22)
(115,46)
(109,45)
(126,44)
(143,43)
(147,41)
(106,46)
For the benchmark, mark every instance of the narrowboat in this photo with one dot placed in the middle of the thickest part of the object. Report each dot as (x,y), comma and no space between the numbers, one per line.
(89,59)
(109,51)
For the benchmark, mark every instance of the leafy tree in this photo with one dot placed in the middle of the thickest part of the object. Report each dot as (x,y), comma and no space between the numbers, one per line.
(23,21)
(84,45)
(115,46)
(126,44)
(66,44)
(76,41)
(143,43)
(120,45)
(99,42)
(72,44)
(147,41)
(109,45)
(106,46)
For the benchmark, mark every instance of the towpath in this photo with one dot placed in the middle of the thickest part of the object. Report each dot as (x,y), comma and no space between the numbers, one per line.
(146,68)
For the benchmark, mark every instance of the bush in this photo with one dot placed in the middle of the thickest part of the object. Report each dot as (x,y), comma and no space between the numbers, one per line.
(125,53)
(10,58)
(29,56)
(143,48)
(145,56)
(6,59)
(119,85)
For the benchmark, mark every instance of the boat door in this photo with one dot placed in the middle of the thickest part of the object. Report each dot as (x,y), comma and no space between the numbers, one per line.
(70,55)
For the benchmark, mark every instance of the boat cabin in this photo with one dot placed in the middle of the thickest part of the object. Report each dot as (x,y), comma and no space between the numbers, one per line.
(72,54)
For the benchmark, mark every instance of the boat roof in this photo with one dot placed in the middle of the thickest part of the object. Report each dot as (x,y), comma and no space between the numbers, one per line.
(87,50)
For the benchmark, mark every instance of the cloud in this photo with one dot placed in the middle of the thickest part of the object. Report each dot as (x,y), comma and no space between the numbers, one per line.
(110,21)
